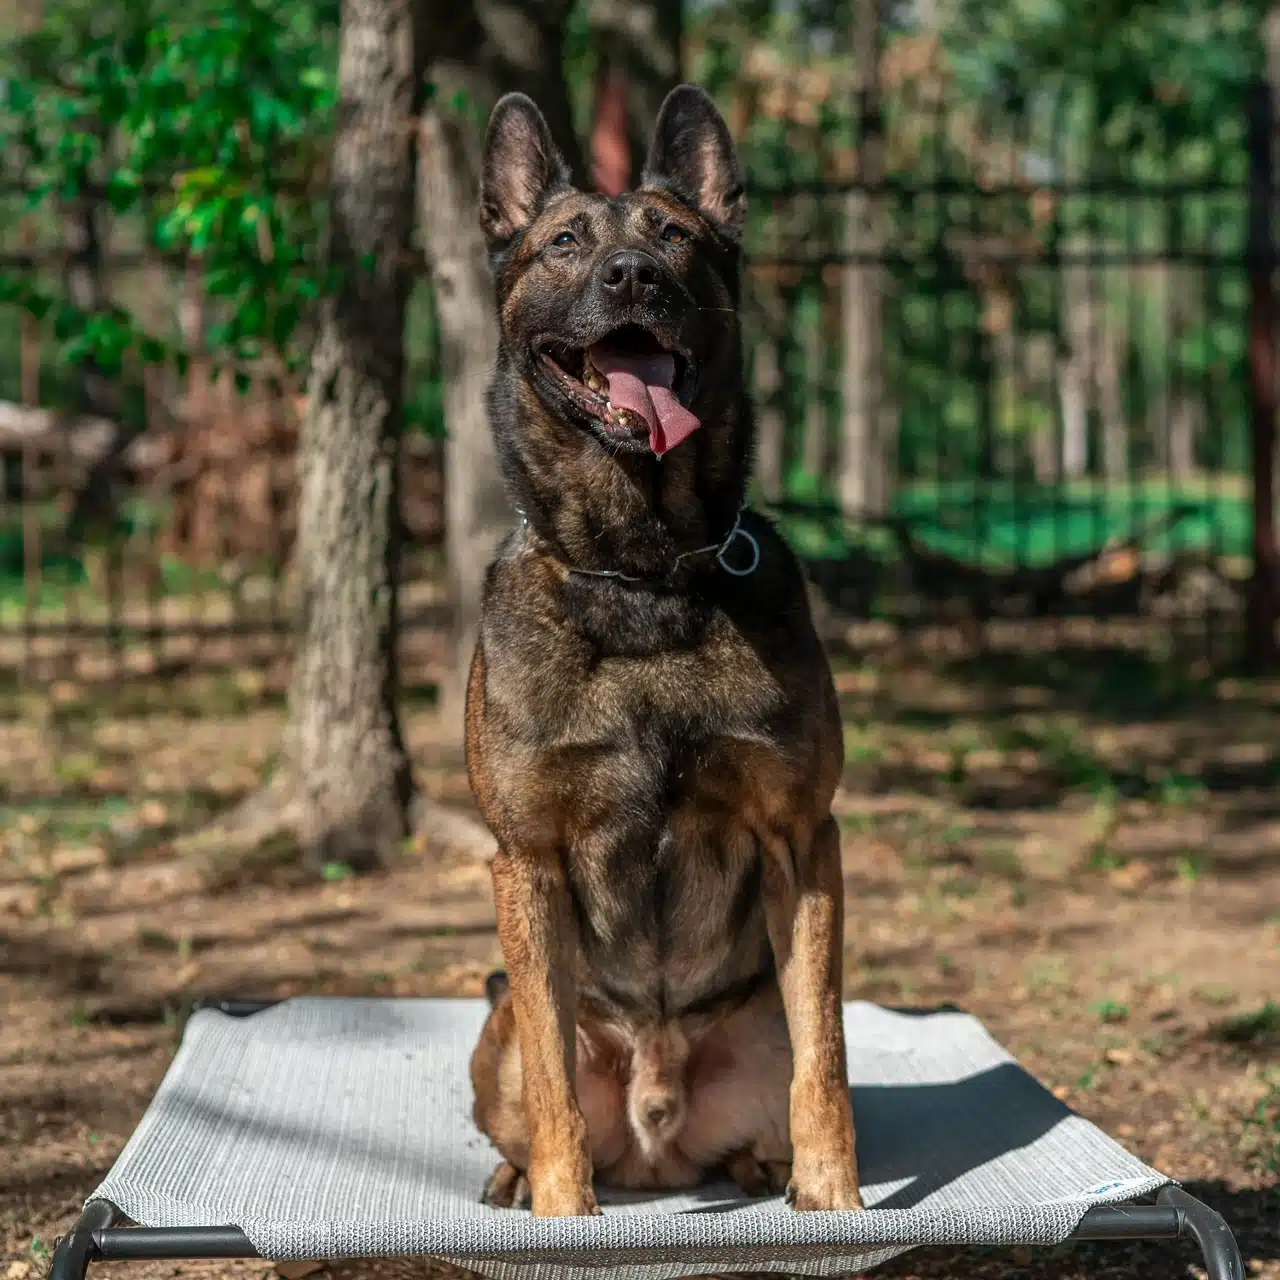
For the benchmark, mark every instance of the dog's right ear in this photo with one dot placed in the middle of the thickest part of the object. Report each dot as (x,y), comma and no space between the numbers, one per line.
(692,154)
(521,169)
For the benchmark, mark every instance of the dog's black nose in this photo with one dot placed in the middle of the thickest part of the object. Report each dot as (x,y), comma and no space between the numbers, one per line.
(629,276)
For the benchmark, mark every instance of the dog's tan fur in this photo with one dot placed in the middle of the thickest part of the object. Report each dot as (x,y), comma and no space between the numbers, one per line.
(657,762)
(662,1103)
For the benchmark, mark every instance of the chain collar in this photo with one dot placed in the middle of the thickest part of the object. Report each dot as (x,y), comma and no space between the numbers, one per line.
(718,547)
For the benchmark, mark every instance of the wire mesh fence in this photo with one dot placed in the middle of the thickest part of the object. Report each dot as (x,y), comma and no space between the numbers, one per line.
(1001,370)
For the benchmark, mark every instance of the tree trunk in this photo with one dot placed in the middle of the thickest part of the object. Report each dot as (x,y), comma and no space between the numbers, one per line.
(344,758)
(864,462)
(1185,422)
(1115,425)
(611,148)
(1040,379)
(95,506)
(638,44)
(1091,372)
(1155,285)
(477,512)
(1263,603)
(1111,341)
(1009,392)
(1271,44)
(483,50)
(1074,406)
(815,452)
(768,388)
(1076,370)
(85,283)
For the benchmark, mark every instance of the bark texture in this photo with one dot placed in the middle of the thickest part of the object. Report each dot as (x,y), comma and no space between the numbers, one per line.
(816,450)
(344,787)
(1091,370)
(477,511)
(482,49)
(865,436)
(345,773)
(769,389)
(1263,602)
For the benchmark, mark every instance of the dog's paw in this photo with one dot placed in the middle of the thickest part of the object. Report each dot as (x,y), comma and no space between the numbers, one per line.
(832,1189)
(563,1192)
(507,1188)
(573,1204)
(758,1177)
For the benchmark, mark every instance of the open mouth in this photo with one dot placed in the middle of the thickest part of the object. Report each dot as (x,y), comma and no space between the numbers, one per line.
(629,383)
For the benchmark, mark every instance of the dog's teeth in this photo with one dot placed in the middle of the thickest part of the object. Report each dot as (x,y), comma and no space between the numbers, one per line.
(624,418)
(592,378)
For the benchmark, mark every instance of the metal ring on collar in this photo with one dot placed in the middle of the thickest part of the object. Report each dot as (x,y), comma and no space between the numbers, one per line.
(755,555)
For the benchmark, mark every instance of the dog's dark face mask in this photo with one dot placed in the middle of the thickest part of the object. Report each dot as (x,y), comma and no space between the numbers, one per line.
(619,314)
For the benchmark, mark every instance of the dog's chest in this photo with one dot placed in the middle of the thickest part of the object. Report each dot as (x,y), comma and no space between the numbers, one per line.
(668,901)
(661,775)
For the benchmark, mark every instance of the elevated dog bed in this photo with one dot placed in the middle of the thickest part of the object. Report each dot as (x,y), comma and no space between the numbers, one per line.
(325,1128)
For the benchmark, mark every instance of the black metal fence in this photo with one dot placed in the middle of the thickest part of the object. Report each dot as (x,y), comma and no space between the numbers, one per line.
(1011,383)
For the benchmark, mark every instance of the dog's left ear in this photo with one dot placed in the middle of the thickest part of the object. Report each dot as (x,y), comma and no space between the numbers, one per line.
(521,168)
(693,156)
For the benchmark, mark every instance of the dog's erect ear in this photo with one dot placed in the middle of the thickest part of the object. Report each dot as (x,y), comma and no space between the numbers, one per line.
(692,154)
(521,168)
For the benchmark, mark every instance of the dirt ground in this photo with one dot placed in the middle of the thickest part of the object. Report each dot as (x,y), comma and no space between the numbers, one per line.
(1085,854)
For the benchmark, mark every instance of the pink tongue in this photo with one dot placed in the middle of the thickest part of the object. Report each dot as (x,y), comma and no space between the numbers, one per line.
(643,385)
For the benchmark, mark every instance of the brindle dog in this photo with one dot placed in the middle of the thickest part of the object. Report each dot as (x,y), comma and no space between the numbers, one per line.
(652,731)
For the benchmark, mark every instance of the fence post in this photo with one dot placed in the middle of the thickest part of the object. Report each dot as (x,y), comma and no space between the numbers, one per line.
(1263,608)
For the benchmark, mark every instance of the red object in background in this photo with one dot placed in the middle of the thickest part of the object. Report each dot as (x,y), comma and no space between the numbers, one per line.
(610,146)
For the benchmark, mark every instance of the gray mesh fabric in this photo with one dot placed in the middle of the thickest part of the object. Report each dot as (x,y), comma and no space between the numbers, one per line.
(329,1127)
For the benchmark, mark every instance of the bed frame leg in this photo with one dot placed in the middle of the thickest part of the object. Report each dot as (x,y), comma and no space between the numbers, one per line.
(1196,1221)
(73,1252)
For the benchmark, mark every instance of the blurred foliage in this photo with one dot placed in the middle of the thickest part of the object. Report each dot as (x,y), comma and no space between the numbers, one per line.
(1023,139)
(203,121)
(1016,132)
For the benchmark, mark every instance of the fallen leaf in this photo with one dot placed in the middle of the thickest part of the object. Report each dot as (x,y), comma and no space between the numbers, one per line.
(1119,1057)
(251,683)
(1061,1092)
(77,858)
(18,1270)
(153,813)
(19,899)
(855,681)
(1132,875)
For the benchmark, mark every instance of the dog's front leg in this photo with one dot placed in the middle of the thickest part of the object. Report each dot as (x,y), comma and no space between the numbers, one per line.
(536,930)
(804,907)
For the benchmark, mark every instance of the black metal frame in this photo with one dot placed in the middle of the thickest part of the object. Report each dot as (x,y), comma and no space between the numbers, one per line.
(95,1237)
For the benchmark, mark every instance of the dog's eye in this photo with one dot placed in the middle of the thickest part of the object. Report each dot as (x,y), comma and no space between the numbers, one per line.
(673,234)
(565,240)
